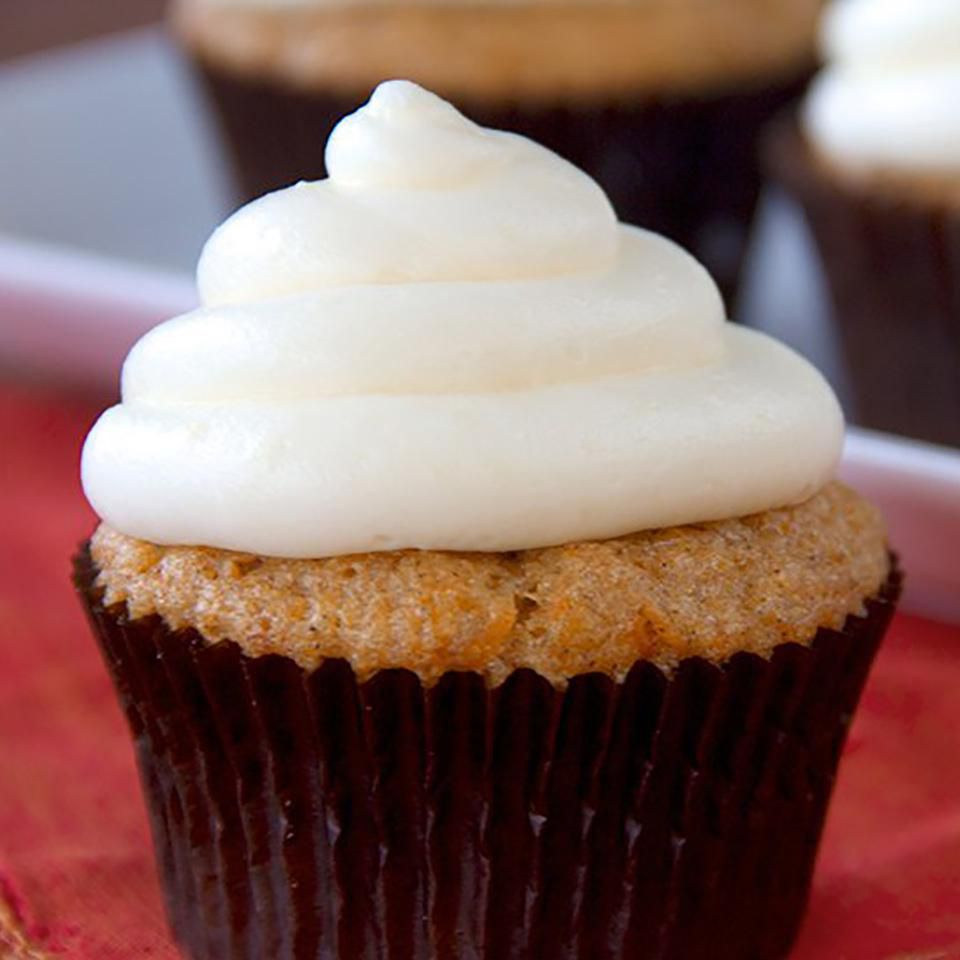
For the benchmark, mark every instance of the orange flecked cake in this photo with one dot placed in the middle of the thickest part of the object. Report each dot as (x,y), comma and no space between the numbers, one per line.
(709,590)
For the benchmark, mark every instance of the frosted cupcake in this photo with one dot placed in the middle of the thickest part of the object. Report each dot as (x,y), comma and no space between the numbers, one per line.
(660,100)
(875,161)
(471,587)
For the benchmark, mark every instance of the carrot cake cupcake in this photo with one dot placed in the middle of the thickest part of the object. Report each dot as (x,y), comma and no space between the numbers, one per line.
(472,588)
(875,163)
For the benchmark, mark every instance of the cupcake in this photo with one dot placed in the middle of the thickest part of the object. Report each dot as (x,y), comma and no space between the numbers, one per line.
(660,100)
(875,162)
(471,587)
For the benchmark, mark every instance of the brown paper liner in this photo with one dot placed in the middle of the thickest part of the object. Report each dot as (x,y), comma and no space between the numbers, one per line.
(893,266)
(307,815)
(684,167)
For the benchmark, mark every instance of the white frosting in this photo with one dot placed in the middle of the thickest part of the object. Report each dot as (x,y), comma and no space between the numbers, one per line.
(449,344)
(889,97)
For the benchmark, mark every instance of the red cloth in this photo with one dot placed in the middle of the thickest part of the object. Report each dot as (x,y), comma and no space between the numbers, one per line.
(76,874)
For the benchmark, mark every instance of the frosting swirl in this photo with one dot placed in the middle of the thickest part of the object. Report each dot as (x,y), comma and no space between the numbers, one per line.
(450,343)
(888,98)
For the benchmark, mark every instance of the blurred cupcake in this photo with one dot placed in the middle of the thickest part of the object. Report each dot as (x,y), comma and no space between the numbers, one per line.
(661,101)
(875,162)
(471,587)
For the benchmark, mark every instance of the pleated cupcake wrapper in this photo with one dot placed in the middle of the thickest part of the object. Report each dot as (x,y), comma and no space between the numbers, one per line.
(893,266)
(309,815)
(685,167)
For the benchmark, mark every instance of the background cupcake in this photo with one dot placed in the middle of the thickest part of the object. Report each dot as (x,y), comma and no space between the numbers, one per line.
(660,100)
(875,162)
(471,587)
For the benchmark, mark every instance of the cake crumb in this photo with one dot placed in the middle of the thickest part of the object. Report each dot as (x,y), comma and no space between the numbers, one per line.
(708,590)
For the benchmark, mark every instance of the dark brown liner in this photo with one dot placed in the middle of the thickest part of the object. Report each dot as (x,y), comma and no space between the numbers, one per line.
(685,167)
(305,815)
(893,265)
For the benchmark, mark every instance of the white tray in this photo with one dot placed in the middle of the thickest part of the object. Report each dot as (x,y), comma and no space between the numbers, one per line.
(74,316)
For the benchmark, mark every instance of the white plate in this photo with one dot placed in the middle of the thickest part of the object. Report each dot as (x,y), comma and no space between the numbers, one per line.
(917,486)
(74,316)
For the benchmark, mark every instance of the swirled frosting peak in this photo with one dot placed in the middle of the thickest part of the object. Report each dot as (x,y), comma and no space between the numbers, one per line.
(449,343)
(415,193)
(888,98)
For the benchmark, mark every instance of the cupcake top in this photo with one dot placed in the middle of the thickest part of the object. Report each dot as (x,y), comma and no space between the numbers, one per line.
(307,4)
(449,344)
(531,52)
(709,590)
(888,97)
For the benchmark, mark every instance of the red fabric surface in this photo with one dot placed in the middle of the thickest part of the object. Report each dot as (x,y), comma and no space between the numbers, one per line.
(75,867)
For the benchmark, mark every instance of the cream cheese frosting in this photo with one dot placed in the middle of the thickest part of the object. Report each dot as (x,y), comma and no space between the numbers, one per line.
(889,96)
(449,343)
